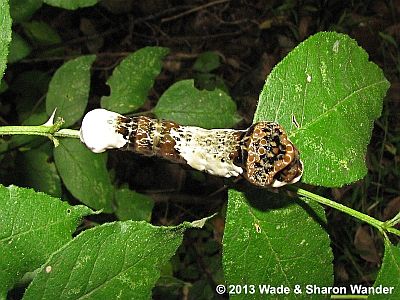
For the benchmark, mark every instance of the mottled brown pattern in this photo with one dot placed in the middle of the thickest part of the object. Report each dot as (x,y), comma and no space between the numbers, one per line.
(150,137)
(263,151)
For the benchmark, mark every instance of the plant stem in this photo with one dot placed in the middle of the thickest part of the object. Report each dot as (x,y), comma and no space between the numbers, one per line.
(67,133)
(26,130)
(393,230)
(381,226)
(42,130)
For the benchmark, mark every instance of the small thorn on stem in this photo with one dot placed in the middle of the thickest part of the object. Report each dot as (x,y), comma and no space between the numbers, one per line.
(50,121)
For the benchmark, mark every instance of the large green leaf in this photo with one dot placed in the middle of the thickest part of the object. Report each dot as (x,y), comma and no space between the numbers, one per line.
(328,86)
(84,174)
(185,104)
(69,89)
(133,78)
(388,277)
(270,239)
(120,260)
(5,34)
(71,4)
(32,226)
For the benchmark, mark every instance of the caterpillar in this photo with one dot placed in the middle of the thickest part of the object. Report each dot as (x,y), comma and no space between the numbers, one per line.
(262,153)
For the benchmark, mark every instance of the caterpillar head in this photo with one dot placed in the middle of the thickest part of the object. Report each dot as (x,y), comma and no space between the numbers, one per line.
(272,159)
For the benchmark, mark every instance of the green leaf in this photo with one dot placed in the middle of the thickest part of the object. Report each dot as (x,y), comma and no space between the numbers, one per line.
(19,48)
(209,82)
(185,104)
(5,36)
(32,226)
(69,89)
(41,33)
(132,205)
(84,174)
(271,239)
(133,78)
(22,10)
(120,260)
(207,62)
(389,273)
(334,93)
(35,170)
(71,4)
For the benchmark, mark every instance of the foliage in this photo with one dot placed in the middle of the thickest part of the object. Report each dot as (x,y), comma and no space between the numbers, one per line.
(88,182)
(19,48)
(22,10)
(196,107)
(71,4)
(132,206)
(326,67)
(69,90)
(124,259)
(388,276)
(132,79)
(268,227)
(269,238)
(5,36)
(33,226)
(40,33)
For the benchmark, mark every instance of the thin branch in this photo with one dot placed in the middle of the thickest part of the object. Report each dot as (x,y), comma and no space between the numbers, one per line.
(52,132)
(193,10)
(381,226)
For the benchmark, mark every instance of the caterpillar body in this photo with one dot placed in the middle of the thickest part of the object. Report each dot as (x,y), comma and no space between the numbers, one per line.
(262,153)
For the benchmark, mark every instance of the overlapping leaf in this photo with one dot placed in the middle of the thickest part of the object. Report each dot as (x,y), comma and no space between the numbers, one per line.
(32,226)
(5,35)
(270,239)
(388,277)
(327,87)
(71,4)
(132,206)
(41,33)
(36,170)
(120,260)
(185,104)
(84,174)
(23,10)
(19,48)
(133,78)
(69,89)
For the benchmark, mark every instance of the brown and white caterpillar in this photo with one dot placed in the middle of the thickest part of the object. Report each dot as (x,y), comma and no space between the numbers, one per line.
(262,154)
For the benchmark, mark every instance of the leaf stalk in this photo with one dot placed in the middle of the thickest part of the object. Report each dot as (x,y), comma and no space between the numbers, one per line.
(383,227)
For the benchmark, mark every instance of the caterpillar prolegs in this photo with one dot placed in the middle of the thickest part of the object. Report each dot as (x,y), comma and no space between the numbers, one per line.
(262,154)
